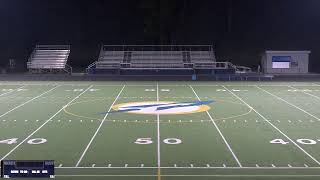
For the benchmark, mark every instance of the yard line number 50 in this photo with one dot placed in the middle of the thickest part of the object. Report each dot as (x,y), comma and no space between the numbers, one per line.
(171,141)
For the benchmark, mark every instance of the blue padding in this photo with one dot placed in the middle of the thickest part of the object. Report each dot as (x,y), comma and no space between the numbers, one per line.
(281,58)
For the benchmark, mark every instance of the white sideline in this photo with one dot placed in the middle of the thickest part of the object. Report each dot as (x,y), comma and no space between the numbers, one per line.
(277,97)
(28,101)
(98,129)
(305,93)
(268,121)
(44,123)
(216,126)
(201,167)
(158,132)
(11,91)
(189,175)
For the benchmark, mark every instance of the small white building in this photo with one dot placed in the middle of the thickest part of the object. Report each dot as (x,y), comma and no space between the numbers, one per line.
(285,62)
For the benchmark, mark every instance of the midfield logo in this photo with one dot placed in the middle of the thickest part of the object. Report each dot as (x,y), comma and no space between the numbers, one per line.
(162,107)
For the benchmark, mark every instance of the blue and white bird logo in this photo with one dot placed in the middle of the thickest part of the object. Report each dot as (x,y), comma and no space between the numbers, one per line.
(162,107)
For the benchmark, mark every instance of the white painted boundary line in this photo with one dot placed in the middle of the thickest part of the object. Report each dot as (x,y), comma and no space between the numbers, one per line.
(98,129)
(279,98)
(194,85)
(189,175)
(158,133)
(87,84)
(305,92)
(181,167)
(44,123)
(28,101)
(251,85)
(268,121)
(222,136)
(11,91)
(106,175)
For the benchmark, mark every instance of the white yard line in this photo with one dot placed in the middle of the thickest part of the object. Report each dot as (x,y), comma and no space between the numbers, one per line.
(12,150)
(268,121)
(98,129)
(317,97)
(158,132)
(28,101)
(216,126)
(11,91)
(277,97)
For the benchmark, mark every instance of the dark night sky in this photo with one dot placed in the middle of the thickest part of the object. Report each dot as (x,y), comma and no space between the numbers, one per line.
(255,25)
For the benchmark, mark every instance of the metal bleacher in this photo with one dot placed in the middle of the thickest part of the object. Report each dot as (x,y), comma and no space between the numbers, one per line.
(161,60)
(152,57)
(49,59)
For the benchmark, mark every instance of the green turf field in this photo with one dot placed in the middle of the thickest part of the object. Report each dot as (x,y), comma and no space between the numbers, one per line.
(164,130)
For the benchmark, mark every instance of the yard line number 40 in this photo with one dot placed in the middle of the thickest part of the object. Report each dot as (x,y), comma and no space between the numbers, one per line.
(300,141)
(34,141)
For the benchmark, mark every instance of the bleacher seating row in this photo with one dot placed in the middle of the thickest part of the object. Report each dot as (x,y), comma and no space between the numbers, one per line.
(170,57)
(114,59)
(49,58)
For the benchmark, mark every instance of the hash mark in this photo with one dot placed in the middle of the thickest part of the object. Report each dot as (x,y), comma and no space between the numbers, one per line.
(224,165)
(273,165)
(142,165)
(257,165)
(60,165)
(126,165)
(306,165)
(191,165)
(93,165)
(289,165)
(208,165)
(109,165)
(175,165)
